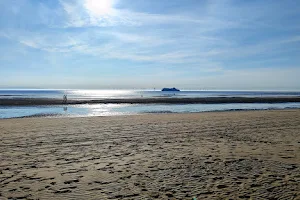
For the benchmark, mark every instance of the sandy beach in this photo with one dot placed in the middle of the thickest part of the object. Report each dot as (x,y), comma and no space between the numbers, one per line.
(216,155)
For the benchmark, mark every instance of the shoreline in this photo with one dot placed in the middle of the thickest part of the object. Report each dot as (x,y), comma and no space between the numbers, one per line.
(162,100)
(61,116)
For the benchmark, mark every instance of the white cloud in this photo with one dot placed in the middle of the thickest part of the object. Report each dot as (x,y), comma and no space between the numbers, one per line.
(141,39)
(48,42)
(29,43)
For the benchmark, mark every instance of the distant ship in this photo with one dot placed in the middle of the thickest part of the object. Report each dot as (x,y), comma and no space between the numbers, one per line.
(170,90)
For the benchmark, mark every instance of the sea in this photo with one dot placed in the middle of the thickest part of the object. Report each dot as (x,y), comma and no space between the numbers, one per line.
(87,110)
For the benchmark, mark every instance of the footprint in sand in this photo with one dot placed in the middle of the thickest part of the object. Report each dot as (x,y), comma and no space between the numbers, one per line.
(71,181)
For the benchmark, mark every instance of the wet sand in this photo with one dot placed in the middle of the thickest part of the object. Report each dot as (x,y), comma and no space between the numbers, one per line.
(145,100)
(217,155)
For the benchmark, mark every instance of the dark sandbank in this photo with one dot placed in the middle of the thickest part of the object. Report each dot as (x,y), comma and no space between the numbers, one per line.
(163,100)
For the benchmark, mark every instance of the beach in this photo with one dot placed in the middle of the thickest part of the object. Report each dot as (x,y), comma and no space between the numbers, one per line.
(212,155)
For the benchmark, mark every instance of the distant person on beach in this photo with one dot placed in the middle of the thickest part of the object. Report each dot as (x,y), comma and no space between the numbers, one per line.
(65,99)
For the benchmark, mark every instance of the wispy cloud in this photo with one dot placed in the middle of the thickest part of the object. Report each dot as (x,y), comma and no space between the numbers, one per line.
(88,13)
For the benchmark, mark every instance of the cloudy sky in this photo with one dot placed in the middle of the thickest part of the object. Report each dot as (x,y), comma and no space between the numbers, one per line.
(190,44)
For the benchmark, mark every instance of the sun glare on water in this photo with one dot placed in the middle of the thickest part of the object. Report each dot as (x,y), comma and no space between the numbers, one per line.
(100,93)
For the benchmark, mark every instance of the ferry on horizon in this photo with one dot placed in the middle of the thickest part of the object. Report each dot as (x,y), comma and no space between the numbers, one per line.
(170,90)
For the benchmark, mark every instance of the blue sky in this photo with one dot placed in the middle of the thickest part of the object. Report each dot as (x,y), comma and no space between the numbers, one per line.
(190,44)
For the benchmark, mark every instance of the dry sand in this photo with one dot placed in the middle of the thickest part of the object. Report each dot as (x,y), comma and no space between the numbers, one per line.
(219,155)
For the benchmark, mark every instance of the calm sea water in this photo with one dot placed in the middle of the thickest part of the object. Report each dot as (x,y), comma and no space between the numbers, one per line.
(101,94)
(130,109)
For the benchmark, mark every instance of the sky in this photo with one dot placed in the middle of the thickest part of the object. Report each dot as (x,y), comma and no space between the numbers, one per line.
(139,44)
